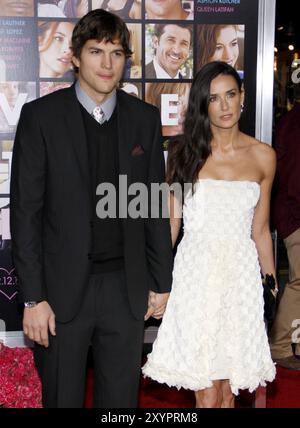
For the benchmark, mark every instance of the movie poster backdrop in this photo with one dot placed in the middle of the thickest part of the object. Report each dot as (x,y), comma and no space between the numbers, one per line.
(170,39)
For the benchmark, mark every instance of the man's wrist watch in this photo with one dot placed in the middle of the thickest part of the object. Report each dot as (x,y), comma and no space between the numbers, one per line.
(31,304)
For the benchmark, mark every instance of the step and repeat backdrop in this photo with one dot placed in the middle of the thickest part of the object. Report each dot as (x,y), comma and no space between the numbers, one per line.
(171,40)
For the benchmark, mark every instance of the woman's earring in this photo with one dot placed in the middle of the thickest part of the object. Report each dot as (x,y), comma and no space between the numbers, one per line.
(242,108)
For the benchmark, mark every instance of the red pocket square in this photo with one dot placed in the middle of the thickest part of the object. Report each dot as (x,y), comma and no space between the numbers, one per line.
(137,150)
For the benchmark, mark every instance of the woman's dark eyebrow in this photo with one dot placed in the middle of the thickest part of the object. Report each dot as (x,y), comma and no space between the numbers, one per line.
(230,90)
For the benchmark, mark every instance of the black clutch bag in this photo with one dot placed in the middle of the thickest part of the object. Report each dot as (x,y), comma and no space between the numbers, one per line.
(270,300)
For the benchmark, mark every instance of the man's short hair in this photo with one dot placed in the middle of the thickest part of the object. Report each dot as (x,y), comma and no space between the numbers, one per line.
(100,25)
(160,28)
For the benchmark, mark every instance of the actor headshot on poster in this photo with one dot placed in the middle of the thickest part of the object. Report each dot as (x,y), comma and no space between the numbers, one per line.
(171,45)
(12,97)
(54,38)
(171,98)
(76,8)
(168,9)
(50,9)
(62,9)
(16,8)
(220,42)
(10,91)
(125,9)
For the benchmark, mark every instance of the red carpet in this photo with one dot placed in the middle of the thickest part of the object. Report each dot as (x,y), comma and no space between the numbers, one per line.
(284,392)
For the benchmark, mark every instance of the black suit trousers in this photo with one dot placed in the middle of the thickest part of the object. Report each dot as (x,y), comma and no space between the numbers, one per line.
(105,322)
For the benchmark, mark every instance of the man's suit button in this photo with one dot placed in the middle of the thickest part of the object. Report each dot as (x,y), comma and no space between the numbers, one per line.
(91,224)
(89,256)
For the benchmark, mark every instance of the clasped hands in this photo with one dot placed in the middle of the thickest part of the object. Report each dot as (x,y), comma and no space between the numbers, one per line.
(156,305)
(40,319)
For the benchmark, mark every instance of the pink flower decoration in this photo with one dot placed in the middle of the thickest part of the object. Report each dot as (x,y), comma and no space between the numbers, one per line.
(20,386)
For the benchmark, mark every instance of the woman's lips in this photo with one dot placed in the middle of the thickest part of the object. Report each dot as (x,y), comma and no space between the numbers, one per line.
(226,116)
(64,60)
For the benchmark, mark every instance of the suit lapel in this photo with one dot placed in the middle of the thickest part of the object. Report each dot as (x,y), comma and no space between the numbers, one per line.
(125,134)
(76,133)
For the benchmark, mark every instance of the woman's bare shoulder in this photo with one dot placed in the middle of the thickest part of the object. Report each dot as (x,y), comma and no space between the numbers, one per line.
(264,151)
(259,149)
(263,156)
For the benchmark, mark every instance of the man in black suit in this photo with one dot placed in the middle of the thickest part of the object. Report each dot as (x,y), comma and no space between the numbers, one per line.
(172,44)
(83,278)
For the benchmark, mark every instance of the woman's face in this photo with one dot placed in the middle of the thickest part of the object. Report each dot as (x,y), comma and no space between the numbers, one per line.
(227,49)
(225,101)
(55,61)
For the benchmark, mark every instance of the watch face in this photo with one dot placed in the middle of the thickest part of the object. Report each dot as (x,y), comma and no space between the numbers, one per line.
(29,304)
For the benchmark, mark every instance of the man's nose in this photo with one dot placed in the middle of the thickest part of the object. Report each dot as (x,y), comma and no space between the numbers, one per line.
(106,61)
(176,48)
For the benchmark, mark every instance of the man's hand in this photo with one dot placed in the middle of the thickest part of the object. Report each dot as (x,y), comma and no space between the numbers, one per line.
(156,304)
(159,300)
(151,308)
(37,321)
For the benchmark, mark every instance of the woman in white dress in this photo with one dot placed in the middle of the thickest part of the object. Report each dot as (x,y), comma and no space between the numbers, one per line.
(212,339)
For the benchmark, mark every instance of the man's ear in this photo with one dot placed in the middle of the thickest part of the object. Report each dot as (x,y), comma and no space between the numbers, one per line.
(155,42)
(76,61)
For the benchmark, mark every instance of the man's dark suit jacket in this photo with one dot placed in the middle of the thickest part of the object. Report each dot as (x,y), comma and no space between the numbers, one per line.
(51,203)
(151,74)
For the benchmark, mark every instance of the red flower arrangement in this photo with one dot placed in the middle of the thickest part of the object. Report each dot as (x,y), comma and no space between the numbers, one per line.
(20,386)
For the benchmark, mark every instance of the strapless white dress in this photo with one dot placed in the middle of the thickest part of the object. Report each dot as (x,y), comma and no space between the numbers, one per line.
(213,327)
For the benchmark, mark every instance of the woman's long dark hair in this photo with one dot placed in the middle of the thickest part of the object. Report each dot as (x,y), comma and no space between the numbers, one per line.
(188,152)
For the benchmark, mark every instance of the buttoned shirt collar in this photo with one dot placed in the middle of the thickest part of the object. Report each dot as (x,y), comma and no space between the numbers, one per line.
(86,101)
